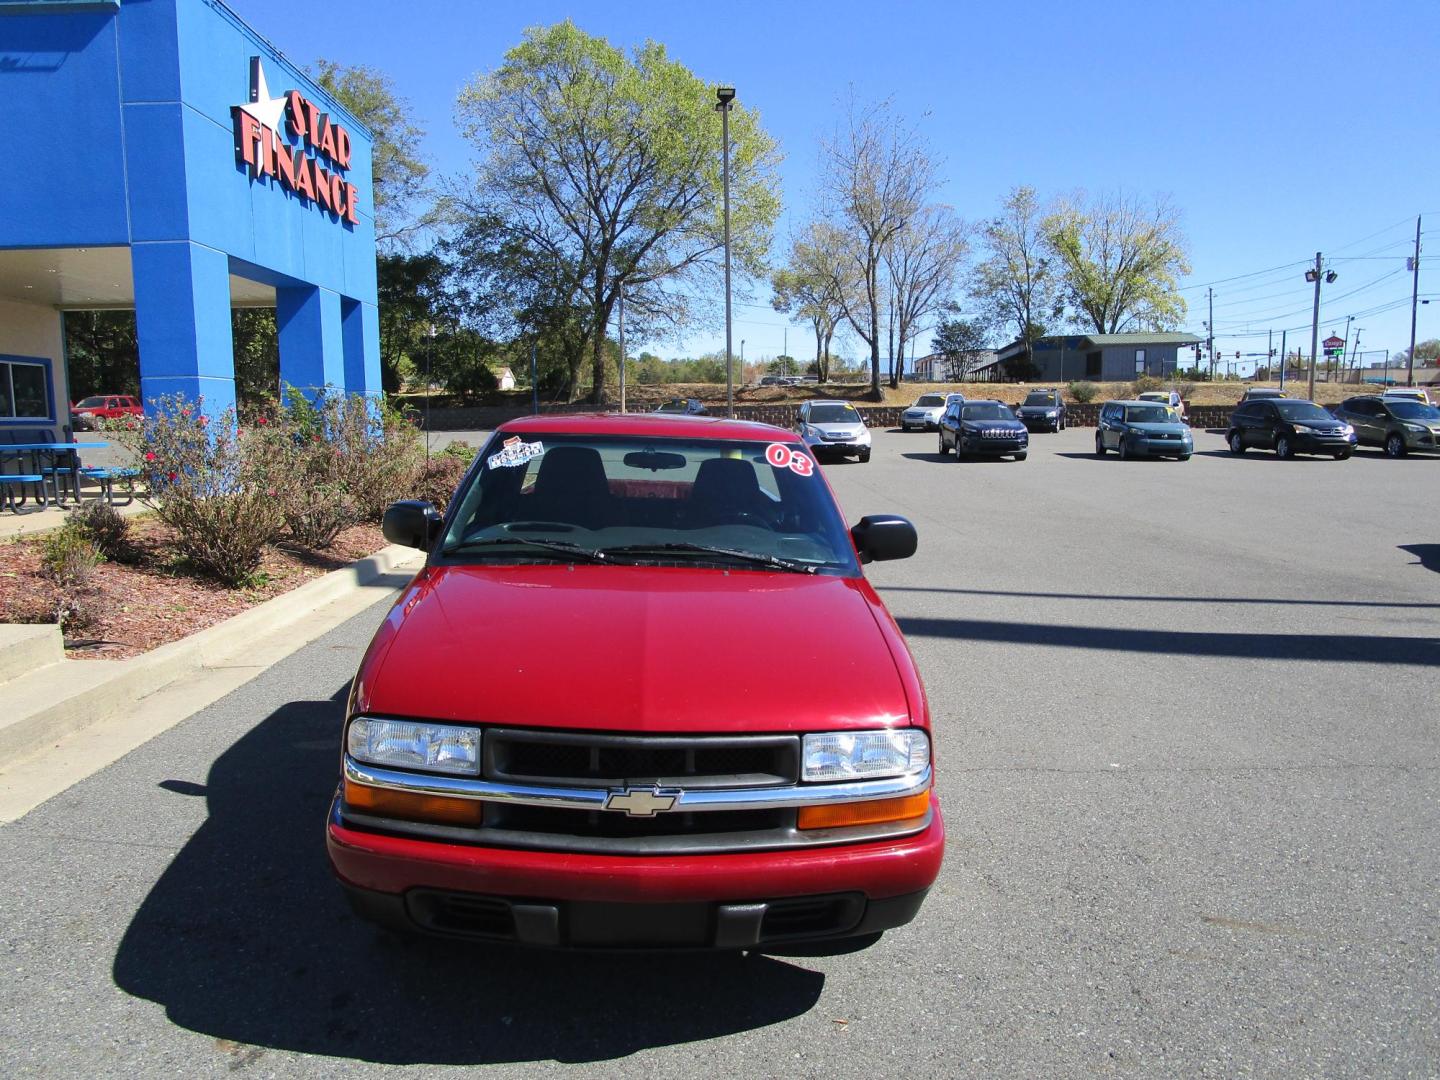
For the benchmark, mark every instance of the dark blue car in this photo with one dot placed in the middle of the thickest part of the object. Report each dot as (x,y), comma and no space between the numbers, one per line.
(983,427)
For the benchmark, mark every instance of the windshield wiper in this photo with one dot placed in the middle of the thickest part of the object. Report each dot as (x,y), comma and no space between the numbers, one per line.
(772,561)
(564,547)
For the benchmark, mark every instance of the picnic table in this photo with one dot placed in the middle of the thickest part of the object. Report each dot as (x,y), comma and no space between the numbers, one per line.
(39,454)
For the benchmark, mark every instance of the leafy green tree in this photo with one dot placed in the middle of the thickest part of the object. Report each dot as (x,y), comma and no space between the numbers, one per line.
(607,166)
(959,341)
(1424,350)
(1119,257)
(399,172)
(413,299)
(257,354)
(783,365)
(806,288)
(1016,285)
(102,353)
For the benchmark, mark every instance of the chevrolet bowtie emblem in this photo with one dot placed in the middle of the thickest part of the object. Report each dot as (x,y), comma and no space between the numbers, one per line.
(642,802)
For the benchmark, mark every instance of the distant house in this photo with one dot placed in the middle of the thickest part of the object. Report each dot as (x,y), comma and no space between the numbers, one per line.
(505,378)
(1103,357)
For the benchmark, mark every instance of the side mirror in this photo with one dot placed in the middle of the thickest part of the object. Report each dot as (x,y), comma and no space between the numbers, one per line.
(884,536)
(411,522)
(799,417)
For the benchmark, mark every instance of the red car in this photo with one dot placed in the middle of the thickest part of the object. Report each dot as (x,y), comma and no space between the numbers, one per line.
(640,696)
(103,407)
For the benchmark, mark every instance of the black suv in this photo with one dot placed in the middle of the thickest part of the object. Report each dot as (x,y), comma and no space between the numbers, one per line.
(1289,427)
(1044,409)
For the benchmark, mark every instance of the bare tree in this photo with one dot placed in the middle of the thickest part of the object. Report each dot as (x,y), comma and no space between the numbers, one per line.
(878,173)
(1016,285)
(1120,256)
(806,288)
(922,263)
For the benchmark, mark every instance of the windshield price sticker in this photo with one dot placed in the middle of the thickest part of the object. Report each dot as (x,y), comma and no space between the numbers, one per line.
(783,457)
(514,452)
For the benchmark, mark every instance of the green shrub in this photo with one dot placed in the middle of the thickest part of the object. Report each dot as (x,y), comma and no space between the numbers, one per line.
(69,557)
(106,527)
(204,482)
(1146,383)
(1083,392)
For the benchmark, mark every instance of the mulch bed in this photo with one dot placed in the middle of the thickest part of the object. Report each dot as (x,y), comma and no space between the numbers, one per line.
(151,598)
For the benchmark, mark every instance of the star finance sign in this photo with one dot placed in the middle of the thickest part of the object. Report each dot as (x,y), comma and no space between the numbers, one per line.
(259,144)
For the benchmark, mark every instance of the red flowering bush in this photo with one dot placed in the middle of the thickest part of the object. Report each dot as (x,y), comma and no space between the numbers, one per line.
(203,482)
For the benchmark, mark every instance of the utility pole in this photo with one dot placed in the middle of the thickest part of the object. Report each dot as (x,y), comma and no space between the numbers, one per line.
(1315,328)
(1414,296)
(622,346)
(534,382)
(1210,334)
(1355,355)
(1345,349)
(1270,353)
(1283,335)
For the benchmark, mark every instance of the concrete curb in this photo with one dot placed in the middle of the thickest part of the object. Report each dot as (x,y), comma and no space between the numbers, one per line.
(61,699)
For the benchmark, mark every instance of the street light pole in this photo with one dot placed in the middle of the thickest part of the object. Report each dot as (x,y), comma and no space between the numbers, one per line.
(1414,295)
(1314,325)
(725,95)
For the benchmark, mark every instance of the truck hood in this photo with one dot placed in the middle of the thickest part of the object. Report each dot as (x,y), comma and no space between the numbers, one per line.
(662,649)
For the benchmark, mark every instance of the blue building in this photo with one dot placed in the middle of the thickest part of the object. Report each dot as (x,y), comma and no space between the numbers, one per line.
(162,156)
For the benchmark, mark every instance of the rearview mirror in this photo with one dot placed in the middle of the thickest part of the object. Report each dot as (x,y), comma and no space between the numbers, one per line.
(884,536)
(654,460)
(411,523)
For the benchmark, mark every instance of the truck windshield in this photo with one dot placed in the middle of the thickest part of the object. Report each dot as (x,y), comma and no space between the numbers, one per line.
(656,501)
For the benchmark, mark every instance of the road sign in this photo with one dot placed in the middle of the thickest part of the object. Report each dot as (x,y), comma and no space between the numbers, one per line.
(1334,346)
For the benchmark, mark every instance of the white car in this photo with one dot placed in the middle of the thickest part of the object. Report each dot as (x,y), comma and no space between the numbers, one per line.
(833,429)
(924,415)
(1165,397)
(1406,393)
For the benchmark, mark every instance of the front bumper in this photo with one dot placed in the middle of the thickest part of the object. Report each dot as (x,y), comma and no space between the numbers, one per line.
(978,444)
(838,449)
(1161,447)
(1044,423)
(1322,444)
(1420,440)
(923,423)
(732,900)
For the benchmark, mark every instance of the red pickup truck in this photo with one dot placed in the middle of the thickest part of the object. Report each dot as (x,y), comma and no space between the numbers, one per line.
(86,412)
(640,696)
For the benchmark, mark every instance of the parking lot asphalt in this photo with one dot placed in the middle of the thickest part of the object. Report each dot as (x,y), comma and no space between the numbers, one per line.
(1185,733)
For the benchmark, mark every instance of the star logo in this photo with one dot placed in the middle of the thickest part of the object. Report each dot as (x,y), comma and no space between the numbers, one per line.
(261,105)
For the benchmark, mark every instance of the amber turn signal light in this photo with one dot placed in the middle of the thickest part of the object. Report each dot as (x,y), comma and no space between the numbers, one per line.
(865,813)
(413,806)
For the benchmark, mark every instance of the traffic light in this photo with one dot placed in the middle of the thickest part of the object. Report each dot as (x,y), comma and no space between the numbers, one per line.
(1237,354)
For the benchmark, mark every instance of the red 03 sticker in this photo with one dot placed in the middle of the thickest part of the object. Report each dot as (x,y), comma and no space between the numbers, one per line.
(785,457)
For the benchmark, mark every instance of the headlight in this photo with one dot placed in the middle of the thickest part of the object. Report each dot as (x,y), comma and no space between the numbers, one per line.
(864,436)
(1303,429)
(408,744)
(864,755)
(1051,413)
(1416,427)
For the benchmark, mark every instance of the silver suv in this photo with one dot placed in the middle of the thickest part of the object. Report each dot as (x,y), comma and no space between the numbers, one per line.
(833,429)
(924,415)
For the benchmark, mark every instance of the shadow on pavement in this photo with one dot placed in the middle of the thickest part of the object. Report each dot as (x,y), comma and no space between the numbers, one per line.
(1335,648)
(1428,554)
(247,938)
(1256,601)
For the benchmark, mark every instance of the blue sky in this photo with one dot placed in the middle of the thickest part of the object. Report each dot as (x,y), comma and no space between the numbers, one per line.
(1279,128)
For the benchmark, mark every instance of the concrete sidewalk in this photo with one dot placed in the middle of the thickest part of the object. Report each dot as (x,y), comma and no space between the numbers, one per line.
(31,520)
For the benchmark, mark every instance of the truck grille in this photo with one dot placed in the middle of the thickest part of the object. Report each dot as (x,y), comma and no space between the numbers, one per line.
(588,760)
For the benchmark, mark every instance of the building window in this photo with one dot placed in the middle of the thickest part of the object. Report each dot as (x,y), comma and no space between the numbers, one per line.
(25,389)
(1139,361)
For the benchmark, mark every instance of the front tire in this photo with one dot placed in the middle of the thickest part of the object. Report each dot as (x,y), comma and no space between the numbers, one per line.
(1283,449)
(1342,455)
(1021,456)
(1099,445)
(1184,457)
(864,456)
(943,448)
(1395,445)
(1237,444)
(1124,453)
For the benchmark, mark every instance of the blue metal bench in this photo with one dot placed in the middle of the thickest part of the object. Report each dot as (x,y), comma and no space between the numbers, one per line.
(9,482)
(106,478)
